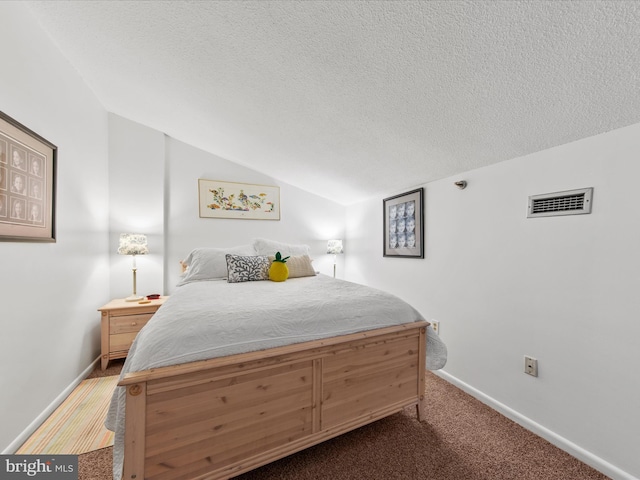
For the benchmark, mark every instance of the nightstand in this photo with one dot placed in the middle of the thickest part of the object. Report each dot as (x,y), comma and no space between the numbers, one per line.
(121,322)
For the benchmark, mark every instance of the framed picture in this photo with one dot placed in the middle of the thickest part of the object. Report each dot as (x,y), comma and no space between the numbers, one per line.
(404,225)
(27,184)
(219,199)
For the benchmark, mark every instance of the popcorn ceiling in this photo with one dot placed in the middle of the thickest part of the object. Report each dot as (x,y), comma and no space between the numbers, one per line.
(351,100)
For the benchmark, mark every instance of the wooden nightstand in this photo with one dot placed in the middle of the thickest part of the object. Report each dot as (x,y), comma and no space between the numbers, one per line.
(121,322)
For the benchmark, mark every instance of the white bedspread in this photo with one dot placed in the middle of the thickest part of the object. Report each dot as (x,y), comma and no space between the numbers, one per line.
(210,319)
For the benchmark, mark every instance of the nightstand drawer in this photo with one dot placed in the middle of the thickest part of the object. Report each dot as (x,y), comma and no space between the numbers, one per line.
(128,323)
(121,342)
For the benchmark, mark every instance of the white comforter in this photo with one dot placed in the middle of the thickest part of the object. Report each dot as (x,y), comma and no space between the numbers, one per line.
(214,318)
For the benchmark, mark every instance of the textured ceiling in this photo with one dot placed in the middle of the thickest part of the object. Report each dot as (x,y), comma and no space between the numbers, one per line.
(353,99)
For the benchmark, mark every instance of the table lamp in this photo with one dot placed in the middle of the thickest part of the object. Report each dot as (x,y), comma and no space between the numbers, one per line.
(133,244)
(334,247)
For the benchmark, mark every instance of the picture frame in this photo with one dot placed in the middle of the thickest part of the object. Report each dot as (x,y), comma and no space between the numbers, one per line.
(220,199)
(403,225)
(28,166)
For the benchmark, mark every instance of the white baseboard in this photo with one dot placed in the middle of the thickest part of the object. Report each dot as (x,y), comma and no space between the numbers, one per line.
(571,448)
(27,432)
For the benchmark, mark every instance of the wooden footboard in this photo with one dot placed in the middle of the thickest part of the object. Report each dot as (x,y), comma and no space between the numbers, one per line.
(218,418)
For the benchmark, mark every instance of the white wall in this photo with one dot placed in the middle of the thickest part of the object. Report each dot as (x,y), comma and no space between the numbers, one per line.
(162,201)
(561,289)
(136,204)
(49,293)
(304,218)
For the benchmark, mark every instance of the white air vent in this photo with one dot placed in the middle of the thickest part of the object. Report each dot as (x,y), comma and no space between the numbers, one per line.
(571,202)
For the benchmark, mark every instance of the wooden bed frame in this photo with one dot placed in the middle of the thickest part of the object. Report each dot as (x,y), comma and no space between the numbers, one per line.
(219,418)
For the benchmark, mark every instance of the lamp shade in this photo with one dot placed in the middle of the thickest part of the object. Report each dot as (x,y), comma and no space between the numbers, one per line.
(133,244)
(334,247)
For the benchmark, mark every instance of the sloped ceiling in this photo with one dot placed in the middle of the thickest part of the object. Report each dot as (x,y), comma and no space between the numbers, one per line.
(356,99)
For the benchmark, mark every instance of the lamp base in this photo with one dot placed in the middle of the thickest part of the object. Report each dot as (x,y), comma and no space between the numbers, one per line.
(133,298)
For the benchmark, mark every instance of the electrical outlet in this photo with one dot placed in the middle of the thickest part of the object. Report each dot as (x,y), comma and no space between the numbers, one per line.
(435,325)
(531,366)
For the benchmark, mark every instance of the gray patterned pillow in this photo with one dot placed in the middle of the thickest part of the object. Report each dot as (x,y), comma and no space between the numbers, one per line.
(247,269)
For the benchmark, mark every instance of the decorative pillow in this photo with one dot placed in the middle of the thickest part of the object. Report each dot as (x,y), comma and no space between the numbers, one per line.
(263,246)
(247,269)
(210,263)
(298,265)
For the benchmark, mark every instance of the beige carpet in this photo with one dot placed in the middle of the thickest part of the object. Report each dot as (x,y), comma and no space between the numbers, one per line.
(77,425)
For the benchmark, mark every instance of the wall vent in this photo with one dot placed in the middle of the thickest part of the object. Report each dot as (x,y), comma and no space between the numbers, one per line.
(571,202)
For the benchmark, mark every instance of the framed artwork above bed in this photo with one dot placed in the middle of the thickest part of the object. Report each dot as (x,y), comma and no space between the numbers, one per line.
(27,184)
(218,199)
(403,230)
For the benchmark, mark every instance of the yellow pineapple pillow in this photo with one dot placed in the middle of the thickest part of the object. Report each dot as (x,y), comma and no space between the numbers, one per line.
(299,266)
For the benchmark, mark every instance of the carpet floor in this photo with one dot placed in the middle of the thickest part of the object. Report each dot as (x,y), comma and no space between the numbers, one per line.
(462,439)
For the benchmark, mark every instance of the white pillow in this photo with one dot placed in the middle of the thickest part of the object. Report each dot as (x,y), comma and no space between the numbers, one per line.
(298,265)
(210,263)
(263,246)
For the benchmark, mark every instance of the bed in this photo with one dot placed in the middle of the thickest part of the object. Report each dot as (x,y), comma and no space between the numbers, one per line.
(229,376)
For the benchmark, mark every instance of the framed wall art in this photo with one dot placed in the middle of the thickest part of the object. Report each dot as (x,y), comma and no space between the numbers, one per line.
(27,184)
(218,199)
(404,225)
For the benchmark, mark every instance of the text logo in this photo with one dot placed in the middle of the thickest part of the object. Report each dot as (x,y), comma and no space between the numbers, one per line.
(49,467)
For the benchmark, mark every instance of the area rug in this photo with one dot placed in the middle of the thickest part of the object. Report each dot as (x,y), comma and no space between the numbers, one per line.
(77,425)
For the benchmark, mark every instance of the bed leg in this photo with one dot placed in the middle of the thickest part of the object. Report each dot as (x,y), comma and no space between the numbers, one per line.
(421,409)
(422,372)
